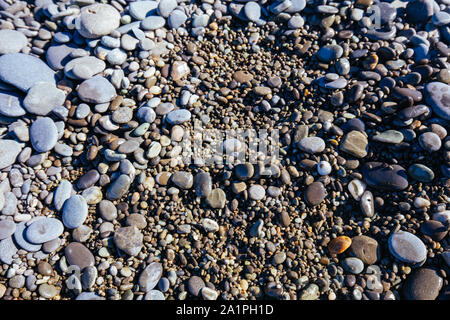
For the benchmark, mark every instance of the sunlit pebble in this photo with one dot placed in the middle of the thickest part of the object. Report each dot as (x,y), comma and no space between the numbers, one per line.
(323,168)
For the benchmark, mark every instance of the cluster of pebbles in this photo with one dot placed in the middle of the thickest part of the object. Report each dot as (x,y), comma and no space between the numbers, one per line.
(96,201)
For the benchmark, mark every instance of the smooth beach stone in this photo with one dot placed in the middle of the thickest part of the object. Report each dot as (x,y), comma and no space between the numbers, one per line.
(141,9)
(195,284)
(153,23)
(7,250)
(256,192)
(384,176)
(422,284)
(79,255)
(47,291)
(165,7)
(12,41)
(58,56)
(311,144)
(11,104)
(442,216)
(176,19)
(252,11)
(183,179)
(244,171)
(178,116)
(353,265)
(203,184)
(42,98)
(43,134)
(9,205)
(216,199)
(441,18)
(74,211)
(329,53)
(97,20)
(389,136)
(96,90)
(62,193)
(150,277)
(21,240)
(44,230)
(388,12)
(296,6)
(437,94)
(88,179)
(89,296)
(24,71)
(179,70)
(107,210)
(407,247)
(434,229)
(9,150)
(122,115)
(118,187)
(129,240)
(366,249)
(421,173)
(84,68)
(419,11)
(315,193)
(146,114)
(355,143)
(430,141)
(154,295)
(7,229)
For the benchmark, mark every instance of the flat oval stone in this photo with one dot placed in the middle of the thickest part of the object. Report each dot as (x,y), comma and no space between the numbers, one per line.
(437,94)
(9,150)
(78,255)
(24,71)
(74,211)
(62,193)
(119,187)
(44,230)
(422,284)
(149,278)
(329,53)
(84,67)
(355,143)
(430,141)
(256,192)
(141,9)
(389,136)
(216,199)
(96,90)
(366,249)
(88,179)
(434,229)
(43,134)
(421,173)
(353,265)
(165,7)
(58,56)
(129,240)
(252,11)
(339,245)
(154,295)
(182,179)
(12,41)
(7,229)
(311,144)
(195,285)
(21,240)
(315,193)
(385,177)
(203,184)
(89,296)
(43,97)
(97,20)
(178,116)
(407,247)
(11,104)
(153,23)
(7,250)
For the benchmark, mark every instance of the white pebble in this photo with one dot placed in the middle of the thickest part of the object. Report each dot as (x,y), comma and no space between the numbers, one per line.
(323,168)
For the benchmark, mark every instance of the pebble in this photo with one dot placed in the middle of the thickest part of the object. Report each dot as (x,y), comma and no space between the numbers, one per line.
(353,265)
(7,250)
(422,284)
(96,90)
(62,193)
(78,255)
(312,144)
(430,141)
(165,7)
(119,187)
(12,41)
(74,212)
(129,240)
(48,291)
(385,177)
(150,277)
(407,247)
(43,134)
(339,245)
(44,230)
(97,20)
(178,116)
(11,104)
(107,210)
(437,95)
(203,184)
(183,179)
(9,150)
(421,173)
(153,23)
(355,143)
(21,238)
(7,229)
(365,248)
(315,193)
(24,71)
(176,19)
(195,284)
(141,9)
(216,199)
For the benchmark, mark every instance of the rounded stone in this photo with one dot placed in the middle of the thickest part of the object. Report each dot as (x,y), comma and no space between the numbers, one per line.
(216,199)
(84,68)
(430,141)
(339,245)
(434,229)
(385,177)
(44,230)
(176,19)
(62,193)
(407,247)
(353,265)
(355,143)
(153,23)
(107,210)
(96,90)
(97,20)
(119,187)
(21,239)
(244,171)
(9,150)
(7,229)
(422,284)
(195,285)
(78,255)
(315,193)
(256,192)
(182,179)
(421,173)
(203,184)
(312,144)
(129,240)
(11,104)
(150,277)
(165,7)
(365,248)
(252,11)
(178,116)
(43,134)
(12,41)
(141,9)
(437,94)
(74,211)
(48,291)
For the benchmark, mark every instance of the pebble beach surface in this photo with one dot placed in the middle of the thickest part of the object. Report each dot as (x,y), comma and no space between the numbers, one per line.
(97,201)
